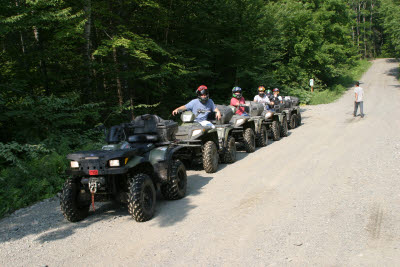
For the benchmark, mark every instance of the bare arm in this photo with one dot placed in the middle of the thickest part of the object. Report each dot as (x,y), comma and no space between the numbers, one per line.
(218,114)
(177,110)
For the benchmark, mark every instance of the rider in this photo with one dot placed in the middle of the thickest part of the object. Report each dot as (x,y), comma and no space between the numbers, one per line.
(262,97)
(202,106)
(276,98)
(237,100)
(269,93)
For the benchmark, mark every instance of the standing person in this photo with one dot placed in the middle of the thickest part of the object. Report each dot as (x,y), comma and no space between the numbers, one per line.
(202,106)
(237,100)
(359,95)
(262,97)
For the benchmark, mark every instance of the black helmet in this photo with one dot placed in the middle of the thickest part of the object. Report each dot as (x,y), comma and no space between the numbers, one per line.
(235,90)
(202,90)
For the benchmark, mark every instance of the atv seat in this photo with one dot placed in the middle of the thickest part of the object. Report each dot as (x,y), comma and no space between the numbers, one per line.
(143,138)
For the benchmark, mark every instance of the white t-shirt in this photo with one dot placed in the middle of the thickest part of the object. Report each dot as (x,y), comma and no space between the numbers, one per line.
(264,100)
(360,93)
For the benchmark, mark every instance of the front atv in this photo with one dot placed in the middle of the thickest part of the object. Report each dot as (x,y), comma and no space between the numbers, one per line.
(139,158)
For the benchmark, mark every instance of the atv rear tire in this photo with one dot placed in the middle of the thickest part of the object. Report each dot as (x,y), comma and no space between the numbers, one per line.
(293,121)
(276,133)
(229,155)
(262,137)
(73,209)
(284,128)
(249,140)
(176,188)
(142,197)
(210,157)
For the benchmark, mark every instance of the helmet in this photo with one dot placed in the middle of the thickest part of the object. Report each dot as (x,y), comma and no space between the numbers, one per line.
(202,90)
(261,90)
(235,90)
(269,92)
(275,90)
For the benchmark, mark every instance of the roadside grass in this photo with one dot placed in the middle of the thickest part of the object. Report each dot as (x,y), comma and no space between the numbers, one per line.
(336,91)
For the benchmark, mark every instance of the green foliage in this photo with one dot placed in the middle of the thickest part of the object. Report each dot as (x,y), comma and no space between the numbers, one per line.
(343,82)
(391,25)
(67,66)
(31,180)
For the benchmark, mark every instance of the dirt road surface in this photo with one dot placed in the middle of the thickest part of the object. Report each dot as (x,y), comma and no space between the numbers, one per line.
(329,194)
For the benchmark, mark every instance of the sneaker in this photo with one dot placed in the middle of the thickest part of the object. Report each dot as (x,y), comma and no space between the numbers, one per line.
(362,116)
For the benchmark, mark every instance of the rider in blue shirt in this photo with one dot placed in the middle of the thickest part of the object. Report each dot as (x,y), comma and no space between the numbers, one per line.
(201,106)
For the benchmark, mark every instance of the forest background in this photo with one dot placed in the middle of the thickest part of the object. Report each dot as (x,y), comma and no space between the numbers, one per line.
(66,66)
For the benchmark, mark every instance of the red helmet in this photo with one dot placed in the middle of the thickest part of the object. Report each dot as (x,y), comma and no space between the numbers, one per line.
(202,90)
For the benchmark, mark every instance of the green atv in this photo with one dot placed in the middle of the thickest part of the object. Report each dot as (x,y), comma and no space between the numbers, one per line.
(244,130)
(255,111)
(227,142)
(276,121)
(200,143)
(139,157)
(292,111)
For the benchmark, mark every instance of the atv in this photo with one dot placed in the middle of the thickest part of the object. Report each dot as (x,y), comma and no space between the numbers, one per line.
(292,111)
(200,143)
(139,157)
(227,143)
(244,130)
(276,121)
(255,111)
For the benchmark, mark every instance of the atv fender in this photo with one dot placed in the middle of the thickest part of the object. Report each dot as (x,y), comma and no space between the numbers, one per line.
(280,117)
(223,133)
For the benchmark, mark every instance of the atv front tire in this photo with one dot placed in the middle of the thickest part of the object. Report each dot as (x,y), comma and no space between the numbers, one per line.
(229,155)
(276,133)
(176,187)
(262,137)
(298,119)
(293,121)
(142,197)
(72,208)
(210,157)
(249,140)
(284,128)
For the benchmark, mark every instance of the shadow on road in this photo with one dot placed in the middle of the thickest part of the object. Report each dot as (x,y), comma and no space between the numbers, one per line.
(393,72)
(170,212)
(46,220)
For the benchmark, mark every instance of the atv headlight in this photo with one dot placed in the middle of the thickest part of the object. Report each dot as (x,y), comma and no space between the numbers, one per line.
(197,132)
(239,122)
(268,115)
(74,164)
(114,163)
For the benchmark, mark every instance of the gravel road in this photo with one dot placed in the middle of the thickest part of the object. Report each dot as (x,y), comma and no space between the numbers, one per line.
(326,195)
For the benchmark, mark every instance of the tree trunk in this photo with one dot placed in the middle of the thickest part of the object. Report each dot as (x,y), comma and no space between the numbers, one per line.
(370,29)
(88,25)
(358,26)
(119,87)
(42,62)
(21,37)
(168,23)
(364,35)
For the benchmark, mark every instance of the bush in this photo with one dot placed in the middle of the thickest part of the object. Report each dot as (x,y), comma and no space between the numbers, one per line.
(30,181)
